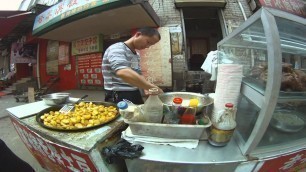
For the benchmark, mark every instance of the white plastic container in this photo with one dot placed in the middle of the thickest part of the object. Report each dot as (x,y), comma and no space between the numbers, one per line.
(126,110)
(153,107)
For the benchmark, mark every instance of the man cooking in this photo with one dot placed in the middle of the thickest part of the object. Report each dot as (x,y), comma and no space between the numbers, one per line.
(121,70)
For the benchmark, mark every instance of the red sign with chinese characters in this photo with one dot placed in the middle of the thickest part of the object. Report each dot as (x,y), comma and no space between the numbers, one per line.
(296,7)
(89,68)
(289,163)
(51,156)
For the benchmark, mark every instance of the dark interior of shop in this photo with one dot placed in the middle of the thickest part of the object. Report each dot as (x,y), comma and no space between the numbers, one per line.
(203,32)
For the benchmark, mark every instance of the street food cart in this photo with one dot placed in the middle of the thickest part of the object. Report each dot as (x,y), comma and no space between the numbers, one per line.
(81,150)
(270,133)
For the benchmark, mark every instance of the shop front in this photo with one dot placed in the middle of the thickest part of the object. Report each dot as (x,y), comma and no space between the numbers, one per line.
(74,35)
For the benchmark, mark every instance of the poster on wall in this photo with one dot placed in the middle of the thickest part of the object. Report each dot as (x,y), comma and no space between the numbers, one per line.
(21,53)
(155,60)
(63,54)
(89,69)
(176,36)
(52,57)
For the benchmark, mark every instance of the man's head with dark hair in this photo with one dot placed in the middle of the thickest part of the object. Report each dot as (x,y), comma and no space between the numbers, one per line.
(149,31)
(143,38)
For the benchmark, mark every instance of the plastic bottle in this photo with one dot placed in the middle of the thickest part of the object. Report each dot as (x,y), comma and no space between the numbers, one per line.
(223,129)
(125,110)
(153,107)
(176,104)
(168,115)
(171,115)
(189,116)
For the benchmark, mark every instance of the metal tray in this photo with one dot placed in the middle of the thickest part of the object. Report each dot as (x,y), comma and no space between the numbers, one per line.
(56,108)
(286,124)
(292,94)
(173,131)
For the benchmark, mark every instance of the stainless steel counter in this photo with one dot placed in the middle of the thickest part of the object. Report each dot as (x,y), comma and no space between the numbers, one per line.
(203,158)
(204,153)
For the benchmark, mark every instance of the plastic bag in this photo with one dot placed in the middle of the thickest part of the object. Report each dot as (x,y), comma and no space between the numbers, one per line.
(122,149)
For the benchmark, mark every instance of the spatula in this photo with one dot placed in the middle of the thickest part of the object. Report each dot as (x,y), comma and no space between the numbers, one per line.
(69,107)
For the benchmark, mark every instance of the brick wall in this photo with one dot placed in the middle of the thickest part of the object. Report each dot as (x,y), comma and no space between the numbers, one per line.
(233,15)
(170,16)
(166,11)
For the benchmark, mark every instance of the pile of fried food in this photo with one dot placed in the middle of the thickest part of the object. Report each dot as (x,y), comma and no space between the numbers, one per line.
(84,115)
(292,79)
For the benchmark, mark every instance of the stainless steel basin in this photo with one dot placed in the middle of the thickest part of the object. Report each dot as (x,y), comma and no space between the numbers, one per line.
(204,100)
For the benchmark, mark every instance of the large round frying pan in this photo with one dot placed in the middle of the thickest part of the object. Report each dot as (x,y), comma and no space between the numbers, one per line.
(56,108)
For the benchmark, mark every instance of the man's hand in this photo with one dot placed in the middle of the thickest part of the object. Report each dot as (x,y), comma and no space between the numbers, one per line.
(133,78)
(160,91)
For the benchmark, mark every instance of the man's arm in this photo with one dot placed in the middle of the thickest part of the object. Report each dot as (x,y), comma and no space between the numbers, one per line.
(130,76)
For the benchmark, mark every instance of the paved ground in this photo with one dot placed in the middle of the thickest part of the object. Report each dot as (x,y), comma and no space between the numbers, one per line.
(10,136)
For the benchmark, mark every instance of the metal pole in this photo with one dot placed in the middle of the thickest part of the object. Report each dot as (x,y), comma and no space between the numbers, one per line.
(37,67)
(242,10)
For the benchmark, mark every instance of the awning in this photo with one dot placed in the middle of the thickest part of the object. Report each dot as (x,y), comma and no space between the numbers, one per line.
(200,3)
(90,17)
(15,24)
(9,20)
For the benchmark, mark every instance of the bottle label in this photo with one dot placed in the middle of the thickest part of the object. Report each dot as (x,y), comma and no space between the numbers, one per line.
(220,136)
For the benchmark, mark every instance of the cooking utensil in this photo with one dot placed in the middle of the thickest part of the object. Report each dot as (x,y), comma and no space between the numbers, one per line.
(55,98)
(56,108)
(69,107)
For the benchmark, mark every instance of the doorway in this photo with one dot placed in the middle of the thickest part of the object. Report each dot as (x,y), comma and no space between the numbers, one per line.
(203,32)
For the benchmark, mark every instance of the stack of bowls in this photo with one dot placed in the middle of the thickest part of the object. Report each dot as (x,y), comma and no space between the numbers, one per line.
(56,98)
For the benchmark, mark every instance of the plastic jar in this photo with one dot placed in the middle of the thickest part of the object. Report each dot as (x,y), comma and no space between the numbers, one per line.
(125,110)
(153,107)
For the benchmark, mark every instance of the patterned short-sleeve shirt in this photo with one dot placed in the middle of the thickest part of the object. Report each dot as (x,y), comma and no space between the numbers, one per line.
(118,56)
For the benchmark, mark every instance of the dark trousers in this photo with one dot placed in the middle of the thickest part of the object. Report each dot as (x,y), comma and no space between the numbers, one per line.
(10,162)
(117,96)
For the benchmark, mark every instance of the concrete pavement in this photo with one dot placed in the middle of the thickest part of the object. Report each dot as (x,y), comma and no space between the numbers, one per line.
(10,136)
